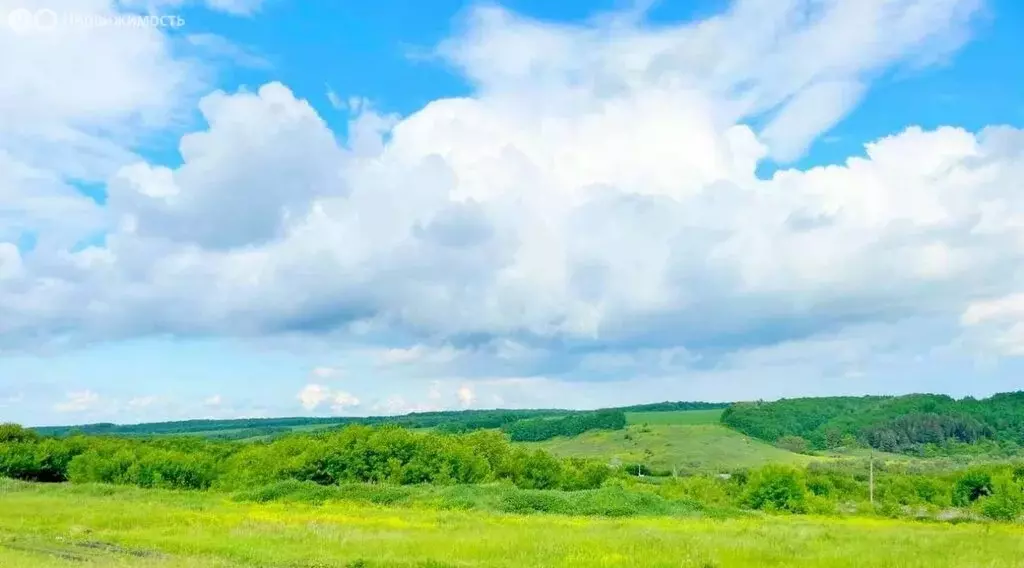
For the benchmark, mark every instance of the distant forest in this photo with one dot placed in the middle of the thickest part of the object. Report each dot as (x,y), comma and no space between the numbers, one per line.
(520,425)
(917,424)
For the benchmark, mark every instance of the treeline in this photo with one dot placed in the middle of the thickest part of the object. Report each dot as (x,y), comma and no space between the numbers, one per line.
(563,423)
(453,421)
(357,453)
(672,406)
(389,464)
(537,429)
(917,424)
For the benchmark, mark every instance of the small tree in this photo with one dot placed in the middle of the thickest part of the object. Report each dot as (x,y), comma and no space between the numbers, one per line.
(16,433)
(776,488)
(971,486)
(1006,502)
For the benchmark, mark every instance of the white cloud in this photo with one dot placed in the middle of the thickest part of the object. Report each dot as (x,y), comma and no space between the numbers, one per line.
(422,354)
(997,323)
(312,396)
(215,400)
(141,402)
(466,396)
(342,401)
(81,401)
(1005,308)
(334,99)
(593,205)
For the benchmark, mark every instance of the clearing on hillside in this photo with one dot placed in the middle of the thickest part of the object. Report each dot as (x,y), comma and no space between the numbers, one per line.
(682,417)
(707,447)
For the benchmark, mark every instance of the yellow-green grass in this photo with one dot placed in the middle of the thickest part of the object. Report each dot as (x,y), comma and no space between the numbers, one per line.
(682,417)
(708,447)
(60,527)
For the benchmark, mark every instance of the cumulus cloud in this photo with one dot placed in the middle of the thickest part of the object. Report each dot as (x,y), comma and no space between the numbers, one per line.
(466,396)
(592,208)
(313,396)
(997,322)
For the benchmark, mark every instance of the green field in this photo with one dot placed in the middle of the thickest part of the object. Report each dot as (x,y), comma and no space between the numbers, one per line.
(680,417)
(79,526)
(700,447)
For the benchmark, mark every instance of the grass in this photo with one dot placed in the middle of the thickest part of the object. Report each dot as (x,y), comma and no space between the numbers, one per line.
(681,417)
(65,526)
(495,498)
(701,447)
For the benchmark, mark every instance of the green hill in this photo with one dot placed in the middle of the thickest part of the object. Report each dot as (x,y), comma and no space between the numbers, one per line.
(692,447)
(920,424)
(685,417)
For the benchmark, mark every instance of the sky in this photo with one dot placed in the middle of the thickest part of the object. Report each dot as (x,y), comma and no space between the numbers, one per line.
(246,208)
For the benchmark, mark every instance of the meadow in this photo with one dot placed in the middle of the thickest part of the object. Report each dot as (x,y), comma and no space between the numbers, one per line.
(676,417)
(675,444)
(667,484)
(94,525)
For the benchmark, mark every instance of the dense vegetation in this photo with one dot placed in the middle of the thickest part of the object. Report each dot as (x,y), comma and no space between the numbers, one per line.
(673,406)
(918,424)
(537,429)
(562,423)
(452,421)
(357,453)
(336,464)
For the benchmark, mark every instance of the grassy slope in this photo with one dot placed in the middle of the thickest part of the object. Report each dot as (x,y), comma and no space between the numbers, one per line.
(691,440)
(681,417)
(695,447)
(132,528)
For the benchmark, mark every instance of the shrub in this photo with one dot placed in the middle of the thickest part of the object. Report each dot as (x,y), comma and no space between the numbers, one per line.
(16,433)
(535,502)
(971,486)
(1006,501)
(776,488)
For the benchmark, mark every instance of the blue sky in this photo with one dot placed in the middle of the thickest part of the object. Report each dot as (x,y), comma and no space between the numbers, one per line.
(283,208)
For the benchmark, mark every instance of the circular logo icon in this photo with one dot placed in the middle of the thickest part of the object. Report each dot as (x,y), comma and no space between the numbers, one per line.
(45,19)
(22,21)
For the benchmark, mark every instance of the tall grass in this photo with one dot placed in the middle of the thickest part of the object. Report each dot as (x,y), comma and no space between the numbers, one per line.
(67,526)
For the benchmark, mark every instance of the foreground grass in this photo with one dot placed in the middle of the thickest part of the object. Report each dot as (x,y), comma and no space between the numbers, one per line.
(63,526)
(707,447)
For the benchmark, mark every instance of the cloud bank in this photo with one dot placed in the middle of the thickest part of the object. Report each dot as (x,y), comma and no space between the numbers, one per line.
(592,211)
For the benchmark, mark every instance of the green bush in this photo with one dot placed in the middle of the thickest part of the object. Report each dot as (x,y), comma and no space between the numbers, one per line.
(526,501)
(537,429)
(16,433)
(1006,501)
(971,486)
(776,488)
